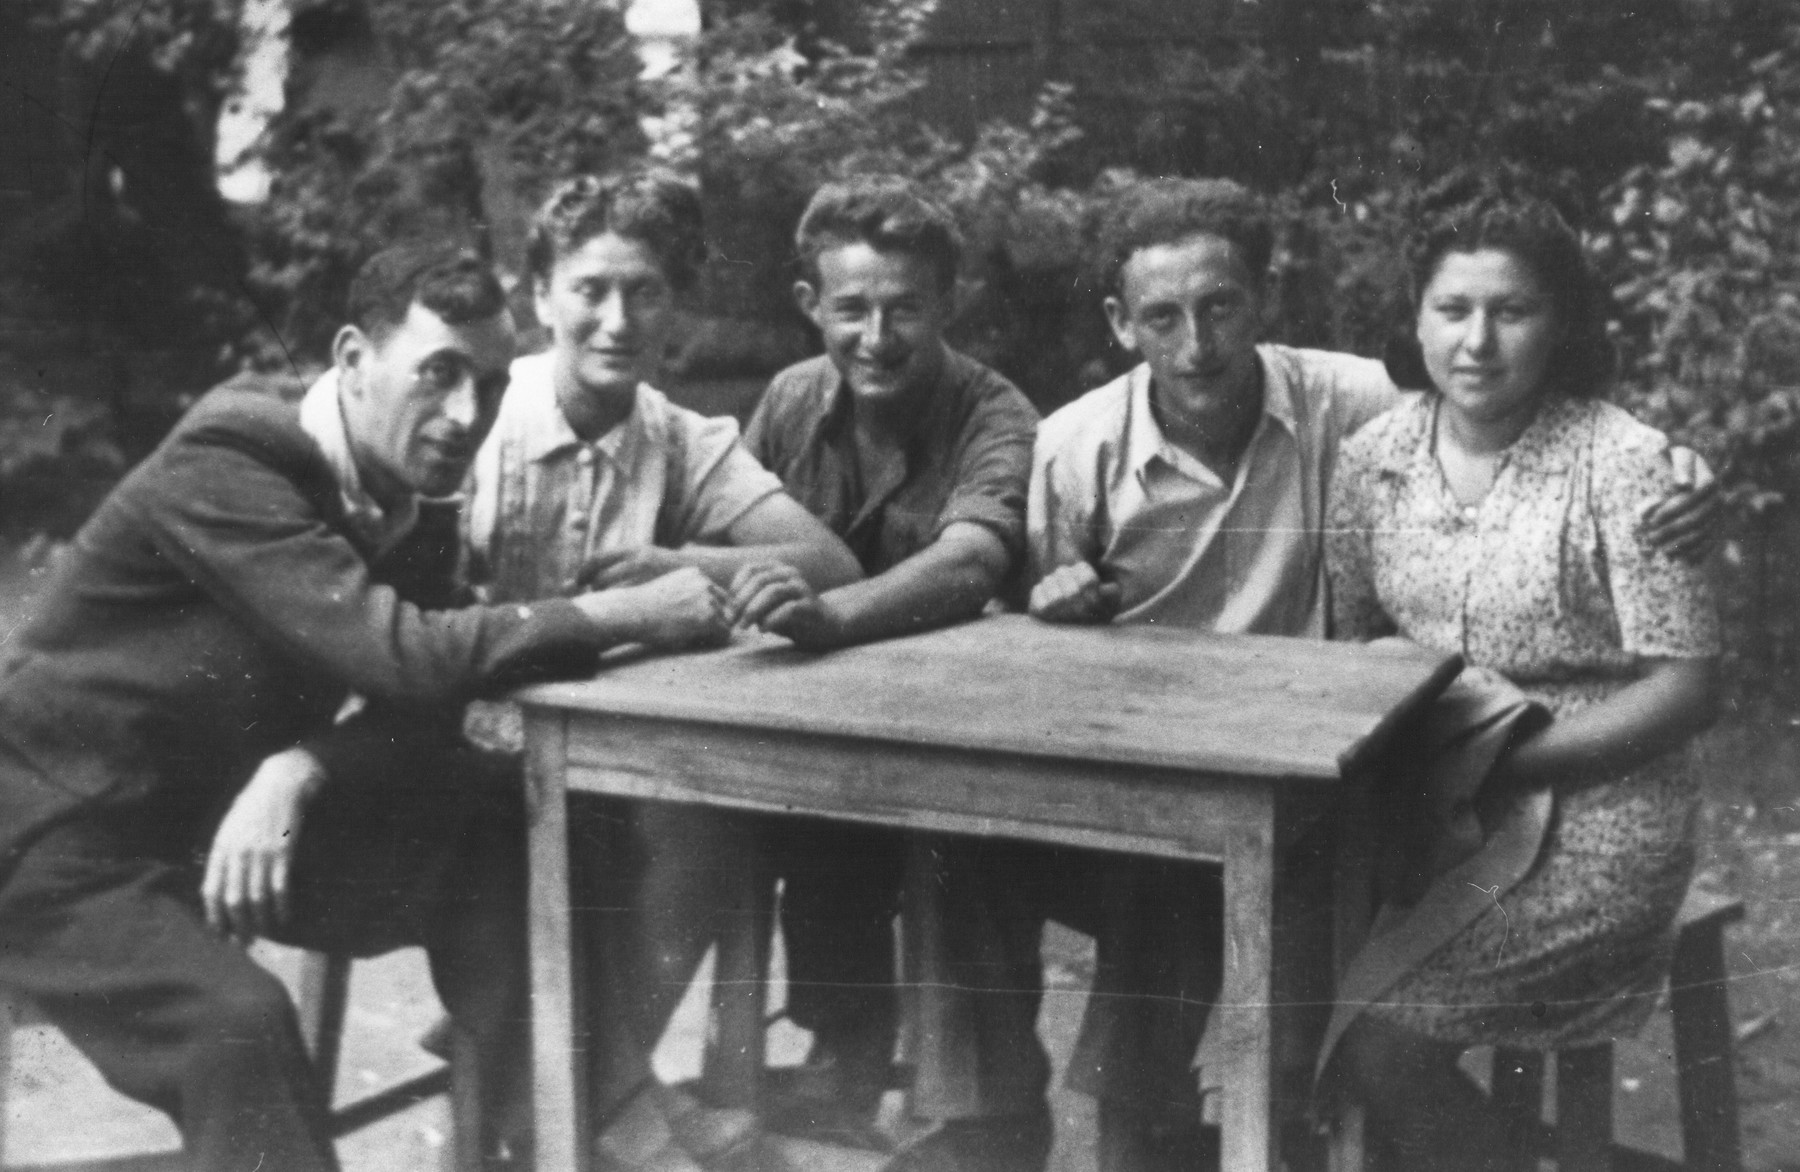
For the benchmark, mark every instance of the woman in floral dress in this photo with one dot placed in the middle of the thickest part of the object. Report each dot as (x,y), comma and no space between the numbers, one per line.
(1497,515)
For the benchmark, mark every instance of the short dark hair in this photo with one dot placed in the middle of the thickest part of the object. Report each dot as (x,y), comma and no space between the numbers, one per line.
(449,279)
(652,207)
(886,212)
(1508,210)
(1167,211)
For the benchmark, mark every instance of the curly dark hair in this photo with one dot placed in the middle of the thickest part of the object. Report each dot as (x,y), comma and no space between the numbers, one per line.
(1165,211)
(653,207)
(449,279)
(886,212)
(1505,209)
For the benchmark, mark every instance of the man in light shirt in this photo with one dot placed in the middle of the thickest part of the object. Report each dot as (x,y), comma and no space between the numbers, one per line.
(1189,492)
(592,476)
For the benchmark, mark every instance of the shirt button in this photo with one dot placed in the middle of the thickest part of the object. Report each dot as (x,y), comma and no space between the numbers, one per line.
(578,523)
(584,457)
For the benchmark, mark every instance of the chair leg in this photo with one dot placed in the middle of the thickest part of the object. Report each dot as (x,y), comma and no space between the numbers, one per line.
(9,1021)
(324,995)
(1584,1130)
(1705,1078)
(1519,1094)
(467,1143)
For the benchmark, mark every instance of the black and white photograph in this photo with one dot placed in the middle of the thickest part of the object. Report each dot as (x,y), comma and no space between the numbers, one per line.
(900,585)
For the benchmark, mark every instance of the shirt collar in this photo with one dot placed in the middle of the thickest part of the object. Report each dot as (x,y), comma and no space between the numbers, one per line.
(1279,391)
(833,415)
(1403,446)
(547,430)
(322,418)
(1148,441)
(1541,448)
(1545,444)
(838,407)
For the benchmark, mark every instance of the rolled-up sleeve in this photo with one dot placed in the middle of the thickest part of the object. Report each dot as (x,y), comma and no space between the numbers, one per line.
(1666,607)
(716,481)
(993,472)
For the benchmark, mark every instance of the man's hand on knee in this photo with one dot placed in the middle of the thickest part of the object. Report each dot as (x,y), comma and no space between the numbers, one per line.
(247,872)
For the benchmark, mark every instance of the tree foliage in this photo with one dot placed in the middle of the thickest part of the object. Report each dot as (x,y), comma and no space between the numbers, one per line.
(490,102)
(1698,245)
(765,125)
(1670,121)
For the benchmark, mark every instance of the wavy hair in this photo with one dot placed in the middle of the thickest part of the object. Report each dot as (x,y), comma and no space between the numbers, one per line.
(652,207)
(1168,211)
(449,279)
(1470,210)
(886,212)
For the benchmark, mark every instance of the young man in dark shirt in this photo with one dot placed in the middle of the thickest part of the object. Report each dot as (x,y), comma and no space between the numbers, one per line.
(917,456)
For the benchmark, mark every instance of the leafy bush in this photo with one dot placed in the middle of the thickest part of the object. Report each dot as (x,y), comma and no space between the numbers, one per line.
(1699,248)
(1672,120)
(140,246)
(493,101)
(765,125)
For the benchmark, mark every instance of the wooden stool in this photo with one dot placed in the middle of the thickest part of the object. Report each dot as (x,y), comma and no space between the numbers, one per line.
(323,998)
(1705,1078)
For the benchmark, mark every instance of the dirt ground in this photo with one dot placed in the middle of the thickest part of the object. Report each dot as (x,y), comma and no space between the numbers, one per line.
(58,1109)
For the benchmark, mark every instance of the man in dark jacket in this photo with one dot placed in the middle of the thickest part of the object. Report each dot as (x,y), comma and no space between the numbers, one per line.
(236,714)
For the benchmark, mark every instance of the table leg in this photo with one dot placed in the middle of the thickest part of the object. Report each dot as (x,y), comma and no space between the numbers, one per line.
(560,1088)
(1279,935)
(933,1020)
(1353,892)
(1245,1018)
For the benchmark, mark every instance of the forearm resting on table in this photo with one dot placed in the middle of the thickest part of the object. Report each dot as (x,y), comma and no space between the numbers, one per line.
(1672,702)
(949,580)
(682,608)
(822,567)
(778,529)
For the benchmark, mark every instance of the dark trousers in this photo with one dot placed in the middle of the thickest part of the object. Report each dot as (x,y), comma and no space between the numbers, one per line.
(840,892)
(652,880)
(1158,928)
(103,929)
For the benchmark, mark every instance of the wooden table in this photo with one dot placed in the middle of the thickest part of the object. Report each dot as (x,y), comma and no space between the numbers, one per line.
(1169,743)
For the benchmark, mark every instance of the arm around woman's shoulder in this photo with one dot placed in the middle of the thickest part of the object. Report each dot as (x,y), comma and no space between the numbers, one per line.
(1666,607)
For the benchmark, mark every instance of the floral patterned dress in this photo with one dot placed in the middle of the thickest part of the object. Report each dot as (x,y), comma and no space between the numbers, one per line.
(1547,582)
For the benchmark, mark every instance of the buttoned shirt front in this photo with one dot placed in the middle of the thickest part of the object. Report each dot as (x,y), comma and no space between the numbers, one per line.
(1186,548)
(967,459)
(543,500)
